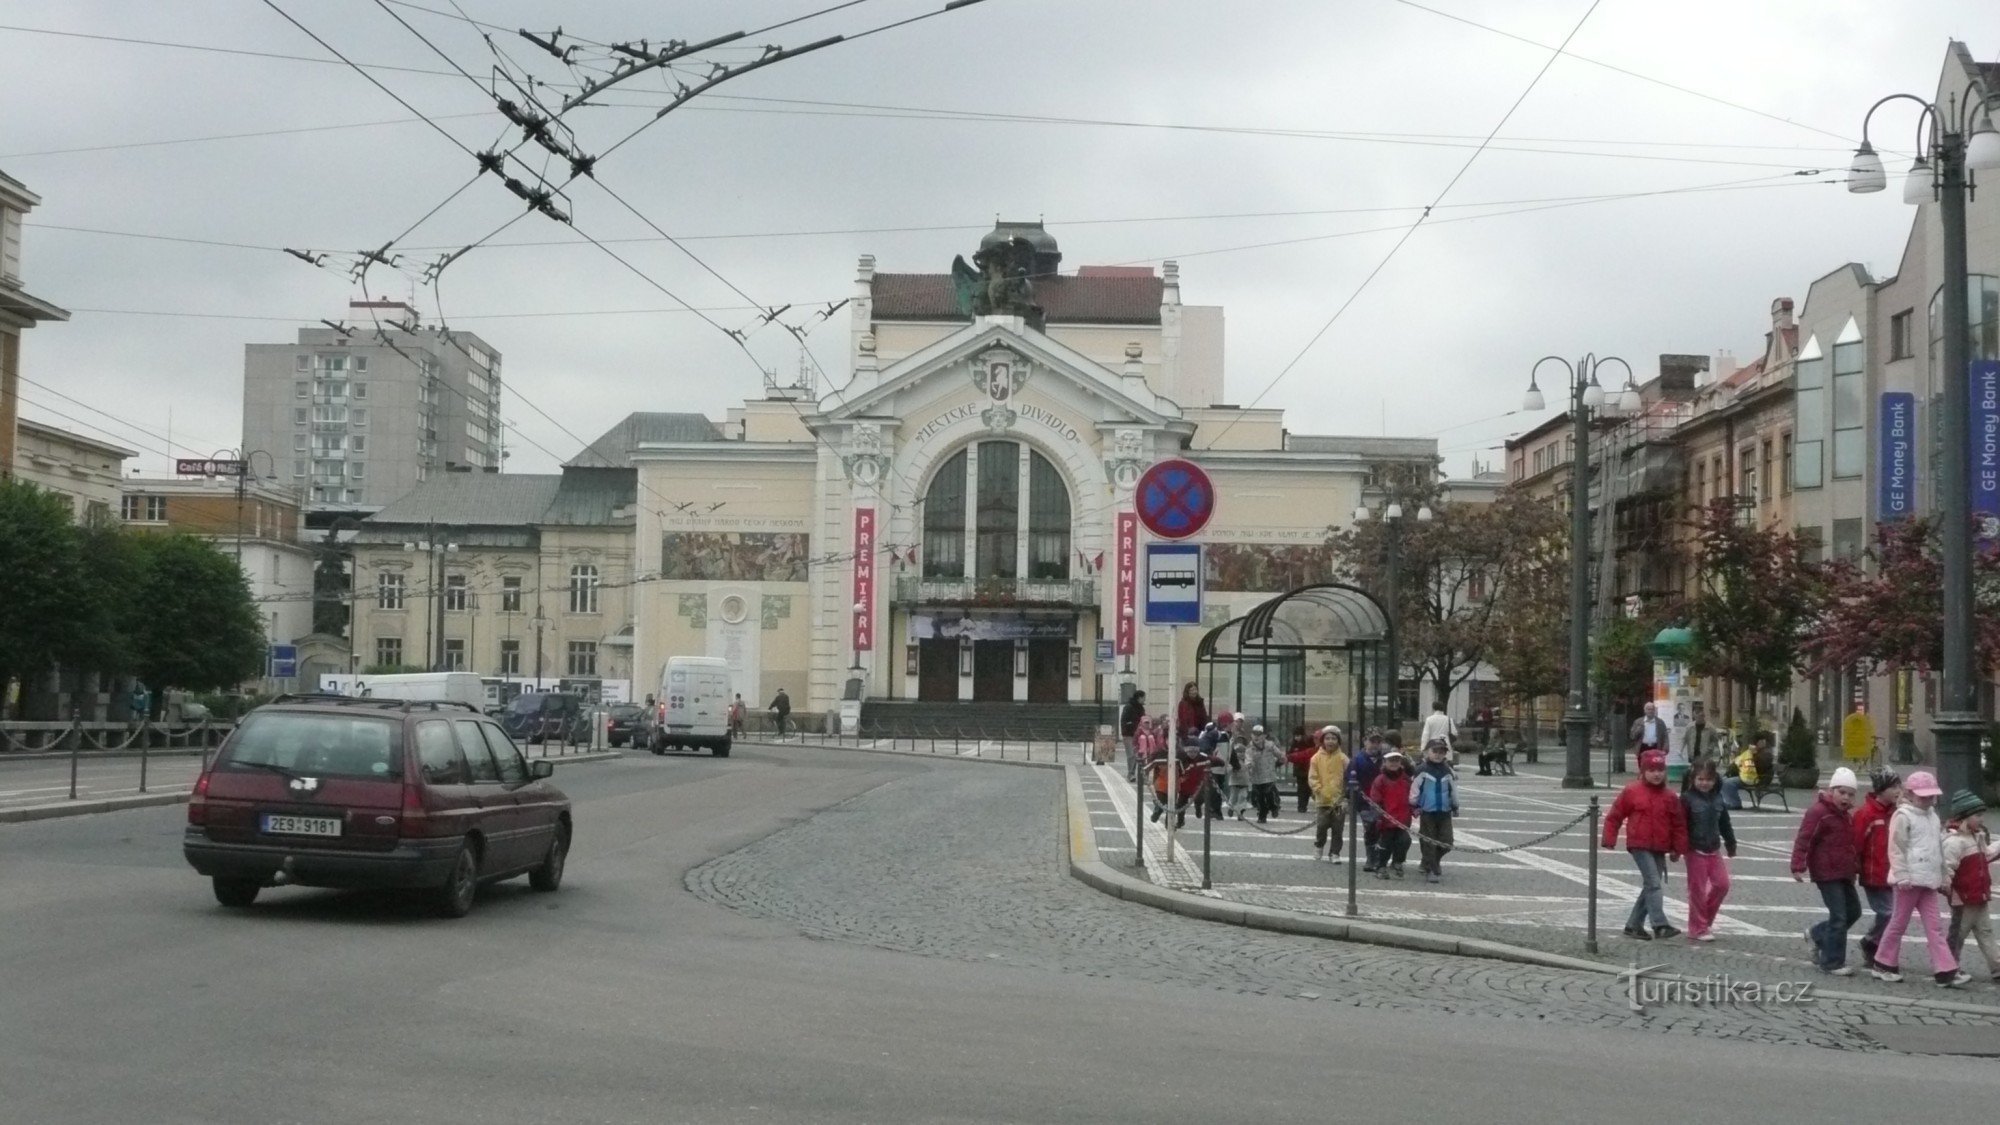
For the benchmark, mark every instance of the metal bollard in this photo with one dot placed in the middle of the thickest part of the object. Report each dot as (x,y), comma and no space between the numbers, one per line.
(142,763)
(1139,815)
(1353,848)
(1590,918)
(1207,821)
(75,746)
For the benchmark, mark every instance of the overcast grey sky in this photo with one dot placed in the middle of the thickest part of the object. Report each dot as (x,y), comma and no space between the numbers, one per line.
(1182,117)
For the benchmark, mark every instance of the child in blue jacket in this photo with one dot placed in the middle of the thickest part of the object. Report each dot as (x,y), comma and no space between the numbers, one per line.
(1435,796)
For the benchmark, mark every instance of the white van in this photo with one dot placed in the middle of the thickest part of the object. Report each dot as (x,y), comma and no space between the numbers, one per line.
(458,687)
(692,709)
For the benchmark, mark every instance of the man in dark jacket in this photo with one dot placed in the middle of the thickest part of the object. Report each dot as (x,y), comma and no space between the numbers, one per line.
(781,709)
(1825,850)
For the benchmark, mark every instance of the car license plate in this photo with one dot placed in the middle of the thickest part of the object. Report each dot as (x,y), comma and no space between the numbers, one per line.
(277,825)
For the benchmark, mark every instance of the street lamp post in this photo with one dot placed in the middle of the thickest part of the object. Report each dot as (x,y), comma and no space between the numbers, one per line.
(435,549)
(1586,398)
(1392,530)
(1945,156)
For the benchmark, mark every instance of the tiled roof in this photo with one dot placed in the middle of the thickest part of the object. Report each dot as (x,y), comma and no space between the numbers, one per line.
(614,448)
(474,499)
(1096,296)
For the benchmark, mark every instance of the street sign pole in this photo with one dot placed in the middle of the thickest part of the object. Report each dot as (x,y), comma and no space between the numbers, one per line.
(1173,746)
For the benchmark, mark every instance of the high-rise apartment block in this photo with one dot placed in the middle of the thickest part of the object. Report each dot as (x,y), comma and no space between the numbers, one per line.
(357,418)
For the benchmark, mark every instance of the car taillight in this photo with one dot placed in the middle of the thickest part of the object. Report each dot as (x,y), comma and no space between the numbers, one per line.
(198,802)
(416,818)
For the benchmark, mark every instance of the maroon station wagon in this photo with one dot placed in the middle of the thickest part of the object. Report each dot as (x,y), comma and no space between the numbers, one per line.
(332,791)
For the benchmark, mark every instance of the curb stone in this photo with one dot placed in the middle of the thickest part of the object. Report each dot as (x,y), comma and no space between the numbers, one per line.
(55,810)
(1085,865)
(907,754)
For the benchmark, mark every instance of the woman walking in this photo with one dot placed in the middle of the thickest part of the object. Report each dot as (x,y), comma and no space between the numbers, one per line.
(1191,714)
(1916,870)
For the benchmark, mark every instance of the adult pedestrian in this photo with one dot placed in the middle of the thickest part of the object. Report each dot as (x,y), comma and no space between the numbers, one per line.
(1649,732)
(1438,727)
(1191,714)
(1916,870)
(1698,742)
(1129,718)
(1327,774)
(781,709)
(1824,851)
(1871,842)
(1709,835)
(1748,769)
(1436,798)
(736,714)
(1656,834)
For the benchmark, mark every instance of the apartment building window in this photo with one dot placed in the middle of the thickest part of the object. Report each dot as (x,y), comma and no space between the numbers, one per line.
(510,658)
(360,363)
(1847,538)
(1850,414)
(1811,547)
(510,595)
(360,390)
(454,593)
(144,509)
(454,655)
(583,585)
(301,416)
(389,590)
(358,443)
(1785,455)
(1701,484)
(298,468)
(1809,403)
(96,513)
(302,390)
(389,651)
(357,470)
(583,658)
(1746,472)
(358,417)
(1900,344)
(1764,462)
(302,363)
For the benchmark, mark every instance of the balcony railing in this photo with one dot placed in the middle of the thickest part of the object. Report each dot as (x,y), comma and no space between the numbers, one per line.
(996,591)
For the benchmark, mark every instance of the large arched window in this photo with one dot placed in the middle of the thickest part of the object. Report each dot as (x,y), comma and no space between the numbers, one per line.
(995,477)
(944,521)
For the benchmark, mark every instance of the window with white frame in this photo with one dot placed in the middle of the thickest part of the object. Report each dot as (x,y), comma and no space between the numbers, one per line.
(301,416)
(358,417)
(510,594)
(389,651)
(454,654)
(359,390)
(358,443)
(582,658)
(389,592)
(302,363)
(454,593)
(510,658)
(583,585)
(128,508)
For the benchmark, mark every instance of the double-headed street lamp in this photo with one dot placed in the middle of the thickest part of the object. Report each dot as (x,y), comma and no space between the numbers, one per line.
(1587,398)
(1392,527)
(1952,139)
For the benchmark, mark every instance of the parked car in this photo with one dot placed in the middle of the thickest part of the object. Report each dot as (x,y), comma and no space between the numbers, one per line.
(625,723)
(547,716)
(336,792)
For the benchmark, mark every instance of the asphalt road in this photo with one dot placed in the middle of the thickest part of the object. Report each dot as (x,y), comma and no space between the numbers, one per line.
(810,935)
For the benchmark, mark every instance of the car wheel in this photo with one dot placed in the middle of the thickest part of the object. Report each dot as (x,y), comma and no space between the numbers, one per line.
(236,893)
(722,749)
(454,898)
(549,875)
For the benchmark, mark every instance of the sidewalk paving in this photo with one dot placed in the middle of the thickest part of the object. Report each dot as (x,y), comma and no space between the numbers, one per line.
(1506,883)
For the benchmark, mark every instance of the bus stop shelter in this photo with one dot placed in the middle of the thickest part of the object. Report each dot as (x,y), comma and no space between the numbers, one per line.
(1308,657)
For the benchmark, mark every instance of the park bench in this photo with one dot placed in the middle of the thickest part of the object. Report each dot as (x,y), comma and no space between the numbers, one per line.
(1767,786)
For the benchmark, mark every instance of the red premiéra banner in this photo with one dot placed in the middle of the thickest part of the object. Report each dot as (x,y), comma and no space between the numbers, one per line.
(864,579)
(1127,584)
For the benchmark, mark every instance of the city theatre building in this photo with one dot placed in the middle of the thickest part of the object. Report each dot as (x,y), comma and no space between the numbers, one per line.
(944,526)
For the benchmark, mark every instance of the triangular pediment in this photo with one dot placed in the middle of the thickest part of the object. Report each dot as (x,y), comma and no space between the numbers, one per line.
(949,365)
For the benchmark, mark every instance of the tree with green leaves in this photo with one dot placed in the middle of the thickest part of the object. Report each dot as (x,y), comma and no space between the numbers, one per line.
(1530,638)
(1457,571)
(199,630)
(38,555)
(1756,597)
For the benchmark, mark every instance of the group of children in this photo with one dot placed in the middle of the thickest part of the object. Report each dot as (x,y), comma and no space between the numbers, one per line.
(1908,861)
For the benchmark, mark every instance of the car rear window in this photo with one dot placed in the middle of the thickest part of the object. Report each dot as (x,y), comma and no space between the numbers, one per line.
(318,745)
(528,704)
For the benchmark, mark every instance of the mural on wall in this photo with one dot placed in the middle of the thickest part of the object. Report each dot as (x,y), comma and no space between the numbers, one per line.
(742,556)
(1274,567)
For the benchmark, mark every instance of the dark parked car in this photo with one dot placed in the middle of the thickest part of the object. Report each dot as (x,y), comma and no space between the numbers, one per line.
(331,791)
(625,722)
(547,716)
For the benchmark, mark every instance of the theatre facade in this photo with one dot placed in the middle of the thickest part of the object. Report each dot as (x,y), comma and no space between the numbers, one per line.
(945,526)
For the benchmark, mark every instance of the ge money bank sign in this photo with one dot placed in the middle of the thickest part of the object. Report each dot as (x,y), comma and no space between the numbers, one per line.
(1985,450)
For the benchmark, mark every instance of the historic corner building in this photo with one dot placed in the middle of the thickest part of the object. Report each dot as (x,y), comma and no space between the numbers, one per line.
(945,526)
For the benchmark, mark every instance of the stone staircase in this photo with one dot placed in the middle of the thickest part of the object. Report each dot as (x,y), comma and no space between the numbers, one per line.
(1041,722)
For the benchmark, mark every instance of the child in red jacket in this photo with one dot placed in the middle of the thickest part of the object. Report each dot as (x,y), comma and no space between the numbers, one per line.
(1871,840)
(1656,834)
(1390,795)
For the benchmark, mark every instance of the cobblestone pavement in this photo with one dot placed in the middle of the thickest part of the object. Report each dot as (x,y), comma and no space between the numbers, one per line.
(1534,895)
(970,864)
